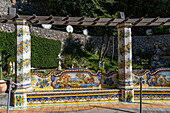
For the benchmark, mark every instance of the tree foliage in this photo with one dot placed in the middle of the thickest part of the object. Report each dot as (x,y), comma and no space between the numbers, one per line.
(94,8)
(143,8)
(88,8)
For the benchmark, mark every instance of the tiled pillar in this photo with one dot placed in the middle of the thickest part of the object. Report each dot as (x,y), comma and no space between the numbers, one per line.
(22,62)
(125,62)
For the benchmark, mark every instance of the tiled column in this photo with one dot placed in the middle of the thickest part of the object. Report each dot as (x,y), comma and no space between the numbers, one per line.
(125,62)
(22,62)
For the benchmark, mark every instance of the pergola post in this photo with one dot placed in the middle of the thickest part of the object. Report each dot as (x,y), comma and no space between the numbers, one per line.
(125,62)
(22,62)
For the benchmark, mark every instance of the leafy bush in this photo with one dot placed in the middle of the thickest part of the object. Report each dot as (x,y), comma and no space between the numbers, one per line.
(136,66)
(73,48)
(95,68)
(102,69)
(67,62)
(108,67)
(142,59)
(160,29)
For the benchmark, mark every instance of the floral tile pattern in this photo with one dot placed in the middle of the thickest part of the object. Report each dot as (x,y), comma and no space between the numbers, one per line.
(109,80)
(19,100)
(125,61)
(128,47)
(21,31)
(24,46)
(40,82)
(125,54)
(23,56)
(23,77)
(23,63)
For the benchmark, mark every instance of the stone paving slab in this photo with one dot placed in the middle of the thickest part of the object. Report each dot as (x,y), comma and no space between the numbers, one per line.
(3,99)
(99,108)
(125,110)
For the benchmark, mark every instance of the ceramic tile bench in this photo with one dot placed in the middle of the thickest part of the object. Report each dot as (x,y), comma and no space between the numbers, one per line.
(81,86)
(69,87)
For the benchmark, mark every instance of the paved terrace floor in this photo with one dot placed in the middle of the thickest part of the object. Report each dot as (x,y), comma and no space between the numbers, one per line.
(98,108)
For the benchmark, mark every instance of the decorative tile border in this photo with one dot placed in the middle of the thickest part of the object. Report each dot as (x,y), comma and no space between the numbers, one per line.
(76,97)
(153,96)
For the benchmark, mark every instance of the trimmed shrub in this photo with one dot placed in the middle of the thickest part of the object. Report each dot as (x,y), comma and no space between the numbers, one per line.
(43,51)
(7,47)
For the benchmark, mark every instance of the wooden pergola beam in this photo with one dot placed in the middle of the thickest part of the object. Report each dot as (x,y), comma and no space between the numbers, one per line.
(55,20)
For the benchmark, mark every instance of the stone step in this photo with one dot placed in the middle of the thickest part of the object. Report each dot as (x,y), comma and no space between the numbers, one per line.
(69,97)
(3,99)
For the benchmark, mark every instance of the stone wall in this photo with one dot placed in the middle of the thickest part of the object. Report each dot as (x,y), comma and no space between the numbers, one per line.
(63,36)
(147,43)
(4,4)
(23,6)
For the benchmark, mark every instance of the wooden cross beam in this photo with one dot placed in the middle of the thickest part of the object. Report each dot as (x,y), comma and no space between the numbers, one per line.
(85,21)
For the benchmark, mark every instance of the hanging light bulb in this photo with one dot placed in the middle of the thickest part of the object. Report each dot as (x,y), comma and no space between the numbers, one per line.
(69,29)
(85,32)
(46,26)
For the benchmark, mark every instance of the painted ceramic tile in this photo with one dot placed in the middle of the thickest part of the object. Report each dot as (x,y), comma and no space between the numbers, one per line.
(124,33)
(129,95)
(157,78)
(128,48)
(22,31)
(125,55)
(23,46)
(109,80)
(153,96)
(20,100)
(23,55)
(128,76)
(23,77)
(23,63)
(128,62)
(74,80)
(65,98)
(40,82)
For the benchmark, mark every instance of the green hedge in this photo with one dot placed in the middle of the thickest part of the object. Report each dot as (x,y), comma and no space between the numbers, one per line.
(7,48)
(43,51)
